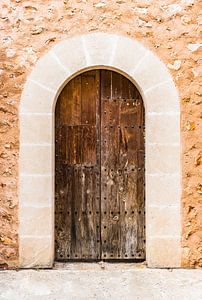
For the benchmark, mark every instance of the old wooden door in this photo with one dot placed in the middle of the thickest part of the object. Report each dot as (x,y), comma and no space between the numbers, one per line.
(99,205)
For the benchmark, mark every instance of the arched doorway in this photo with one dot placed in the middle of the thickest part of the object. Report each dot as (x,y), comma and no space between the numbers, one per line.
(99,169)
(52,72)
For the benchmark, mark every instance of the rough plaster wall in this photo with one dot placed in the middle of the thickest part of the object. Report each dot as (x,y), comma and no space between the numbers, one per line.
(169,28)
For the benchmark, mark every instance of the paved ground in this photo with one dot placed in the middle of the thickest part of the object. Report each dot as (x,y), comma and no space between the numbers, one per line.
(101,281)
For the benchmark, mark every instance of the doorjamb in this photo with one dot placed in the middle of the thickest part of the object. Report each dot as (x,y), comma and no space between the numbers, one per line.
(162,116)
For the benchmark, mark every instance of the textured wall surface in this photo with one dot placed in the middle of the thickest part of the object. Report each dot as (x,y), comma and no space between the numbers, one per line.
(169,28)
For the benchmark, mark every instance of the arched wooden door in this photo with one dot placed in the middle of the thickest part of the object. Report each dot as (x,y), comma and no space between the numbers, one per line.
(99,205)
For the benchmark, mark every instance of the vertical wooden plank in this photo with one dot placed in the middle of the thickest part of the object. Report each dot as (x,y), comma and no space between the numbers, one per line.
(91,165)
(110,112)
(88,96)
(106,84)
(63,224)
(70,110)
(110,205)
(116,86)
(122,183)
(78,170)
(89,140)
(109,197)
(129,112)
(71,144)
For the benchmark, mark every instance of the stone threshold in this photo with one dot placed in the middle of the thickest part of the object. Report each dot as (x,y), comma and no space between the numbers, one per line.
(101,265)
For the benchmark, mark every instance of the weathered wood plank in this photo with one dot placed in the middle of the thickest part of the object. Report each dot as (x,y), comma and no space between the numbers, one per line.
(89,95)
(70,111)
(122,183)
(78,170)
(105,87)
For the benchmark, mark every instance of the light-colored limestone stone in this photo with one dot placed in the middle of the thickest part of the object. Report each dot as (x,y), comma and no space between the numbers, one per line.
(162,158)
(49,72)
(149,72)
(71,54)
(36,190)
(163,220)
(36,159)
(128,54)
(36,251)
(36,128)
(36,221)
(36,99)
(163,252)
(163,128)
(98,48)
(163,189)
(162,98)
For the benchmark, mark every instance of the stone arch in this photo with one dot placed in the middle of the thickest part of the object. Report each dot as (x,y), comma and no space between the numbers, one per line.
(162,116)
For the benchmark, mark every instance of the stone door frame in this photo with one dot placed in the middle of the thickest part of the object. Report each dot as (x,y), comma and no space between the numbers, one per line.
(162,143)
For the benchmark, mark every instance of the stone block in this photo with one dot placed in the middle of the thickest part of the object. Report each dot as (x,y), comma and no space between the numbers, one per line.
(36,252)
(36,220)
(163,189)
(36,190)
(163,220)
(163,252)
(162,159)
(36,99)
(162,98)
(49,72)
(128,54)
(71,54)
(163,128)
(36,159)
(150,72)
(99,48)
(36,129)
